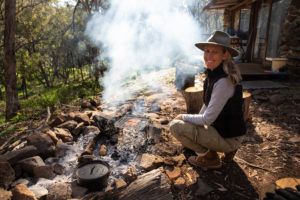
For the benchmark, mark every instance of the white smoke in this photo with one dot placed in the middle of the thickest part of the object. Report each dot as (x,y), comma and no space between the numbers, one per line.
(139,36)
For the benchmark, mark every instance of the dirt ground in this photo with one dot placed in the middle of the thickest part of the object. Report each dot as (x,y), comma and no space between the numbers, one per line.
(269,152)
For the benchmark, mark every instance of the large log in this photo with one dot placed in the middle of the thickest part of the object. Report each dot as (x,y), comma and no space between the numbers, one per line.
(151,186)
(193,99)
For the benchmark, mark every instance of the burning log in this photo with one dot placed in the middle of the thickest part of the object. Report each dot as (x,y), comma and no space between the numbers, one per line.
(193,99)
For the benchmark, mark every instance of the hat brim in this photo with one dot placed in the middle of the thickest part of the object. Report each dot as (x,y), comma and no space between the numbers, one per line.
(233,52)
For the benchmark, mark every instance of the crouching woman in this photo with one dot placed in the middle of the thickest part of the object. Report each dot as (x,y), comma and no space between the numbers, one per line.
(219,126)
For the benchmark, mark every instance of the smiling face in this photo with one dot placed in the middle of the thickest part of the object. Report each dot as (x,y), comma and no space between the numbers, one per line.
(214,55)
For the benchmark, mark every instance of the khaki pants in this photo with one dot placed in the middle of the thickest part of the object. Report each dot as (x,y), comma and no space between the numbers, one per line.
(202,138)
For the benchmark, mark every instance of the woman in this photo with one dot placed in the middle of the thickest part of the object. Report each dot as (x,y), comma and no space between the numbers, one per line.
(219,126)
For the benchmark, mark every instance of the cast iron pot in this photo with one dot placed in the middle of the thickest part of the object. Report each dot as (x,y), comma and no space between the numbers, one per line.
(93,174)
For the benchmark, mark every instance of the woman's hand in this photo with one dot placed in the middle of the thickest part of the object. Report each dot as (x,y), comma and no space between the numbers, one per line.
(179,117)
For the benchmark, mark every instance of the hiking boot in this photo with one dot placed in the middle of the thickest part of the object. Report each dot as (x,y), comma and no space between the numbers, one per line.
(228,157)
(210,161)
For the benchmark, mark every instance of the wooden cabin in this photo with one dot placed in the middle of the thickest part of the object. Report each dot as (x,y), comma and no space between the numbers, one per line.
(265,31)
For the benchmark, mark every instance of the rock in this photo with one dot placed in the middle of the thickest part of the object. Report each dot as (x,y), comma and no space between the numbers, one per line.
(82,117)
(94,102)
(7,175)
(58,169)
(52,135)
(71,116)
(90,129)
(131,174)
(5,195)
(14,156)
(78,191)
(21,181)
(21,192)
(43,172)
(169,161)
(190,175)
(109,188)
(287,182)
(57,121)
(86,104)
(59,191)
(70,125)
(39,192)
(173,174)
(102,150)
(149,161)
(61,149)
(120,184)
(29,164)
(43,143)
(179,183)
(78,129)
(277,99)
(63,134)
(51,160)
(179,159)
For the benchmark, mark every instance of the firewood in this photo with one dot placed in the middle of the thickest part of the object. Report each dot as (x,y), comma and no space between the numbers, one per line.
(193,99)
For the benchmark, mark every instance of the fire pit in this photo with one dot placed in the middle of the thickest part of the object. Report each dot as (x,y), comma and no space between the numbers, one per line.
(93,174)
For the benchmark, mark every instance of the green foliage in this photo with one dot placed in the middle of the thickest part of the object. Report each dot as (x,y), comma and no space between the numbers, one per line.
(19,117)
(8,131)
(67,93)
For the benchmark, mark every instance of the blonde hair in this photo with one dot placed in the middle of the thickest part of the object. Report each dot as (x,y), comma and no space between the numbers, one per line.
(232,70)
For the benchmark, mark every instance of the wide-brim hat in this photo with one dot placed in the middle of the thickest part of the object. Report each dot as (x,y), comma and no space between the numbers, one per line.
(219,38)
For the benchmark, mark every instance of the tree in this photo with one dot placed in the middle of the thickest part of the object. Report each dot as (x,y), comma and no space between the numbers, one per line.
(12,102)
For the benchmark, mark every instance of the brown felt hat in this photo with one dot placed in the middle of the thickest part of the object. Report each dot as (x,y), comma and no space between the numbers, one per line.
(219,38)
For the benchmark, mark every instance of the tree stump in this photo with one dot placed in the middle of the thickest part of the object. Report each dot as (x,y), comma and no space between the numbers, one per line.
(246,104)
(193,99)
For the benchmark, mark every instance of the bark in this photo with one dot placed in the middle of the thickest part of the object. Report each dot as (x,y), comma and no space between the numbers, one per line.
(12,102)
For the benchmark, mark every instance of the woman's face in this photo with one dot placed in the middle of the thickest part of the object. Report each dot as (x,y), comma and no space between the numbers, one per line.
(214,56)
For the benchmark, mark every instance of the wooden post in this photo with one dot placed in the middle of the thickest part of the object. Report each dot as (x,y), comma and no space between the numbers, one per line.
(246,104)
(193,99)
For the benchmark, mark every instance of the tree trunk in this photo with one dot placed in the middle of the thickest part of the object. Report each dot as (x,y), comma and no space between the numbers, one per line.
(12,102)
(81,74)
(246,104)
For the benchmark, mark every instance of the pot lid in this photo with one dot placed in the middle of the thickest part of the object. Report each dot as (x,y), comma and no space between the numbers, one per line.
(92,171)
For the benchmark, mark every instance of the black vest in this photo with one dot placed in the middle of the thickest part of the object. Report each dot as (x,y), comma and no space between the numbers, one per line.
(230,122)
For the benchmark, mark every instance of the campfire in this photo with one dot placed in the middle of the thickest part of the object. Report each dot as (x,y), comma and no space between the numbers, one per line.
(106,150)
